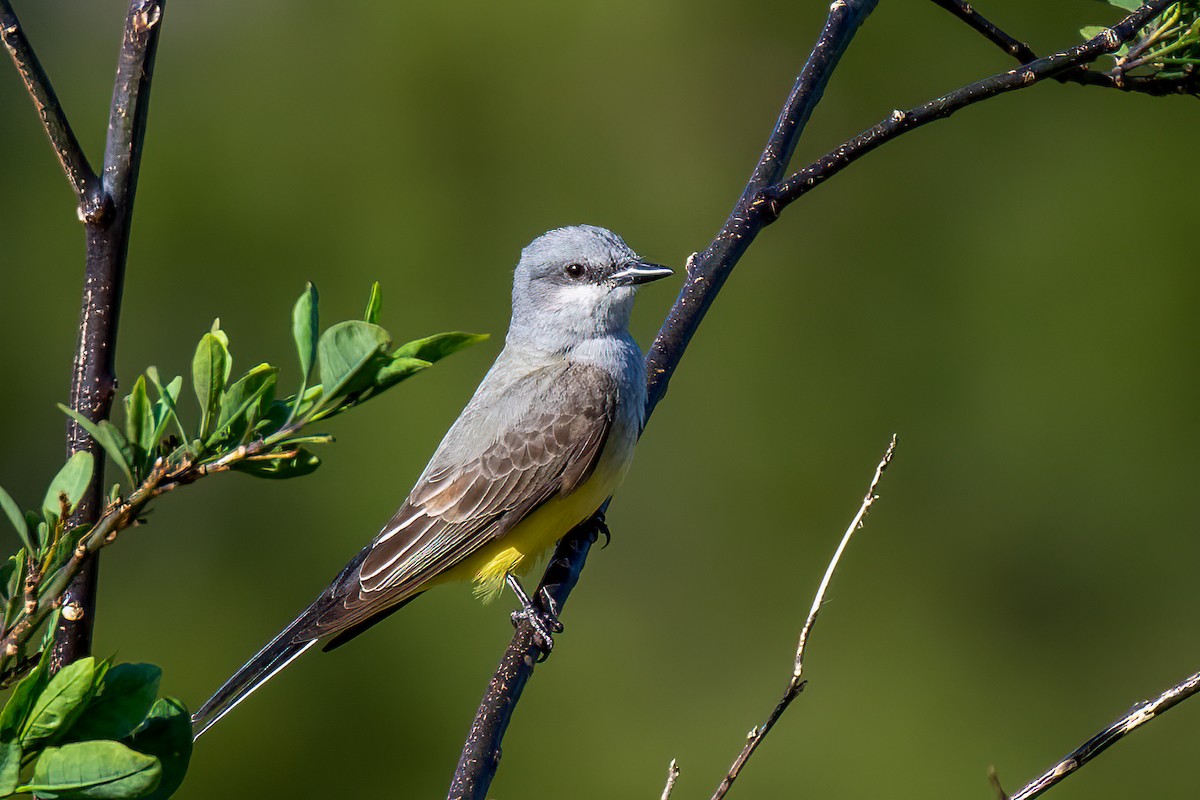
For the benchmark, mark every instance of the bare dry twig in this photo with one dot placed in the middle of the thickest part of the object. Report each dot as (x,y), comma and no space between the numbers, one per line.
(672,776)
(796,682)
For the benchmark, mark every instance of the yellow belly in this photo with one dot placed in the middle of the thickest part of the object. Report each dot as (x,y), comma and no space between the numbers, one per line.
(518,550)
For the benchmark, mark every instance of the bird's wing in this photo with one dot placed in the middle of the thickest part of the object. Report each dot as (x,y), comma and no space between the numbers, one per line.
(500,462)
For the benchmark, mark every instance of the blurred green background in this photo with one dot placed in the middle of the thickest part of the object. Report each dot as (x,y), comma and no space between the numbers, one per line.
(1012,291)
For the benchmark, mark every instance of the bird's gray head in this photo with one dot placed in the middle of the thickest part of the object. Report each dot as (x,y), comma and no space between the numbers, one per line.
(574,284)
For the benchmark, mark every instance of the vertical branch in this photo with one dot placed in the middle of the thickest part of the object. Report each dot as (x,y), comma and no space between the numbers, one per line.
(93,378)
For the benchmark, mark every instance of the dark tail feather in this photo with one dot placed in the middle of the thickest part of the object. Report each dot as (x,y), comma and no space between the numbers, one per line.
(281,651)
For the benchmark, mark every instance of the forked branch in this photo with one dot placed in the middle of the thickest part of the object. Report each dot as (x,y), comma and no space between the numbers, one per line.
(760,204)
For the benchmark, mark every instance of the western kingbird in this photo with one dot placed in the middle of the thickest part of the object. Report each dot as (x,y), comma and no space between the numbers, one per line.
(547,437)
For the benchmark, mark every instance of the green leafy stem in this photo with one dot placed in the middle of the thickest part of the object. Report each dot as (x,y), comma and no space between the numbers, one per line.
(242,427)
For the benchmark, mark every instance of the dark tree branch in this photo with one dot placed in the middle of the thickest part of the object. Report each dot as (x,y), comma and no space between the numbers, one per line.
(900,122)
(706,274)
(62,137)
(760,204)
(1139,715)
(1112,79)
(967,13)
(93,379)
(481,754)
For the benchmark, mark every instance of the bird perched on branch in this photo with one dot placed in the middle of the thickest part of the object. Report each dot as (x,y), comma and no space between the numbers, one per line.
(547,437)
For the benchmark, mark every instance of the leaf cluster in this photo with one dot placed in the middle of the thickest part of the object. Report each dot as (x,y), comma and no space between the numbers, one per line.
(351,362)
(93,731)
(1167,49)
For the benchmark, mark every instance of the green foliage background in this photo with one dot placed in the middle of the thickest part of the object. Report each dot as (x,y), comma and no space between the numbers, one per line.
(1012,291)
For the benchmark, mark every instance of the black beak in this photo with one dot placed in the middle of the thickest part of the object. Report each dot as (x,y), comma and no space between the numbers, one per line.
(637,272)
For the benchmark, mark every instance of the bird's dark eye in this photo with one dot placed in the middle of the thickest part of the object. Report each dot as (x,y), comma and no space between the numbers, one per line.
(575,271)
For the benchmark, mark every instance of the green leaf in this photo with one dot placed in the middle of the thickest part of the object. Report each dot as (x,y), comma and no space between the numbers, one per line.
(166,734)
(15,581)
(166,410)
(26,693)
(1128,5)
(244,402)
(17,518)
(210,371)
(347,352)
(374,305)
(436,347)
(95,771)
(108,437)
(60,703)
(305,324)
(72,480)
(10,767)
(7,570)
(300,464)
(126,695)
(1091,31)
(398,370)
(139,424)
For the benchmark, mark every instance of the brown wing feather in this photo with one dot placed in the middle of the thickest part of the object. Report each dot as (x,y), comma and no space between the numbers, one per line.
(457,508)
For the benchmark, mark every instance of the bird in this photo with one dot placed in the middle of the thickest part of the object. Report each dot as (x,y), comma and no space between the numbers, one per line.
(547,437)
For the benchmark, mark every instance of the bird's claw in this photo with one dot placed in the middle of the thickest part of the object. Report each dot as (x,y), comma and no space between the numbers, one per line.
(544,620)
(600,528)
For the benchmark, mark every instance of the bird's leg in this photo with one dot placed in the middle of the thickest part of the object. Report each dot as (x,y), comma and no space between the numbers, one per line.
(543,621)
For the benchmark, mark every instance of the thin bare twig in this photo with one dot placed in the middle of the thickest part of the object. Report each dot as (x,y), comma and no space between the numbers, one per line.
(796,682)
(672,777)
(82,178)
(1138,716)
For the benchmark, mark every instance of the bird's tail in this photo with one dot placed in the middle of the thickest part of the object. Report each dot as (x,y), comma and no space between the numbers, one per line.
(281,651)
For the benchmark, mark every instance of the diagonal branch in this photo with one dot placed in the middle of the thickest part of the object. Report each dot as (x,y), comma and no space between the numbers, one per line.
(707,272)
(93,378)
(967,13)
(705,275)
(1153,85)
(759,205)
(1139,715)
(776,198)
(62,137)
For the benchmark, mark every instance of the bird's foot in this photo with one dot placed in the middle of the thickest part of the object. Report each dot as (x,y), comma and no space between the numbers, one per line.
(543,620)
(600,528)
